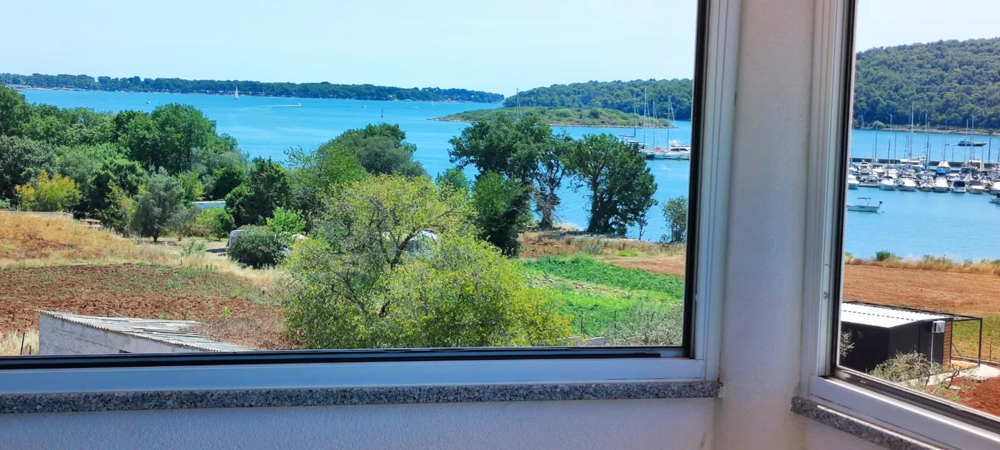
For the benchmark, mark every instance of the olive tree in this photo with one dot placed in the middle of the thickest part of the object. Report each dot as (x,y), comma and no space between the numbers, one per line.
(394,262)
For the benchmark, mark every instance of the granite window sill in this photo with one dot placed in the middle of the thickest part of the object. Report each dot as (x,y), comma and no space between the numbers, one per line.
(854,426)
(378,395)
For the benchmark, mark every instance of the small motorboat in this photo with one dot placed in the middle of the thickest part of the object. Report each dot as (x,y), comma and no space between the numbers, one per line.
(958,187)
(866,207)
(995,199)
(907,185)
(970,143)
(975,187)
(941,184)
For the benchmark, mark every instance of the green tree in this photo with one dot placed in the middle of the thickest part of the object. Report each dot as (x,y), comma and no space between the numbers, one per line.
(225,179)
(14,111)
(180,130)
(381,149)
(454,178)
(217,222)
(675,211)
(620,187)
(551,171)
(20,159)
(55,193)
(316,174)
(362,283)
(502,145)
(156,205)
(502,211)
(266,187)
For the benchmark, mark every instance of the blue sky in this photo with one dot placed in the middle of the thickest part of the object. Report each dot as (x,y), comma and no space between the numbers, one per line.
(493,46)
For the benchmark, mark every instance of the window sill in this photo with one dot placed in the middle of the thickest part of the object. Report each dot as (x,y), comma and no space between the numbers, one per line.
(374,395)
(897,424)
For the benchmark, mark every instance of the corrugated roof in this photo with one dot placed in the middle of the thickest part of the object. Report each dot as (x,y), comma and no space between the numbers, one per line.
(167,331)
(883,316)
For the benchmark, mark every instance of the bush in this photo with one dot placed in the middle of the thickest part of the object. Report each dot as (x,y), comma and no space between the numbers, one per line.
(193,247)
(885,255)
(502,211)
(648,323)
(257,247)
(216,222)
(56,193)
(185,222)
(286,222)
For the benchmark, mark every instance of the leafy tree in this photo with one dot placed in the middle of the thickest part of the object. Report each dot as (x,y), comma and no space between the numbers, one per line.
(180,130)
(137,132)
(675,211)
(286,222)
(360,284)
(620,186)
(194,190)
(14,112)
(551,171)
(55,193)
(266,187)
(624,96)
(20,158)
(381,150)
(502,145)
(454,178)
(315,175)
(225,179)
(502,211)
(156,206)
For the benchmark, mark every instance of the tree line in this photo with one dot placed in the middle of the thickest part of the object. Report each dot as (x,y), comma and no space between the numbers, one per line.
(949,83)
(280,89)
(624,96)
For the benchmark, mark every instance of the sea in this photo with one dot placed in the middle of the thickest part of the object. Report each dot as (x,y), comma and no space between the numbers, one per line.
(911,224)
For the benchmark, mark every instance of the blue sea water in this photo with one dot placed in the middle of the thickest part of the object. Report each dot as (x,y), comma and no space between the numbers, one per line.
(961,226)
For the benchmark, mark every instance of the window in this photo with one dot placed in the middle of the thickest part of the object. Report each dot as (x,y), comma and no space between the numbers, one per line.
(326,211)
(916,198)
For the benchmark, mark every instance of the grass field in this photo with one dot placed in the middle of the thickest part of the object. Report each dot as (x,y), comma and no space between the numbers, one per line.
(627,306)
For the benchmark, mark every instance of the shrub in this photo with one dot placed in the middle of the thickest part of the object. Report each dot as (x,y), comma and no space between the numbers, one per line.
(286,222)
(257,247)
(502,211)
(217,222)
(885,255)
(193,247)
(595,246)
(648,323)
(156,206)
(55,193)
(627,253)
(185,222)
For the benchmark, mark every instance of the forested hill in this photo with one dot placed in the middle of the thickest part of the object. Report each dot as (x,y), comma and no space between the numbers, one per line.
(305,90)
(948,80)
(625,96)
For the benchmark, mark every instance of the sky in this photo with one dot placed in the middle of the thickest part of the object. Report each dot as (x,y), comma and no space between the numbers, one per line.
(492,46)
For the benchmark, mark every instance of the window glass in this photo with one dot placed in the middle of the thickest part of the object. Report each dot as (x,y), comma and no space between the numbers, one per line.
(336,176)
(921,294)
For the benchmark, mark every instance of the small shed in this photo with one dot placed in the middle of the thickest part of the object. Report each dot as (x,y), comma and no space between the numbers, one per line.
(881,332)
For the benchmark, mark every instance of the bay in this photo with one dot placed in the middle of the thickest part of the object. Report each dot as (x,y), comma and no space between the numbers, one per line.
(960,226)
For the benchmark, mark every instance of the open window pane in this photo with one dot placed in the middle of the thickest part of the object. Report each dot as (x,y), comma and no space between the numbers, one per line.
(320,202)
(921,294)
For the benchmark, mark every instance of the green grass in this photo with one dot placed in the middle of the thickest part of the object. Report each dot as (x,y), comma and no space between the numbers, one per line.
(965,337)
(581,268)
(588,117)
(602,298)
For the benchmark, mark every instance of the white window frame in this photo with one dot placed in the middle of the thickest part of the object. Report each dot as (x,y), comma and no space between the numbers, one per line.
(833,63)
(702,364)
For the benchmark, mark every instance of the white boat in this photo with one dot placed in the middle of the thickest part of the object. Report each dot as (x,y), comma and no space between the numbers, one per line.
(907,185)
(237,94)
(975,187)
(940,184)
(866,207)
(958,187)
(887,184)
(926,186)
(852,182)
(970,143)
(679,153)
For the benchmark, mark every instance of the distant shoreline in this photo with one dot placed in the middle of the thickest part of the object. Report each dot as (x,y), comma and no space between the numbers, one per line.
(561,117)
(23,87)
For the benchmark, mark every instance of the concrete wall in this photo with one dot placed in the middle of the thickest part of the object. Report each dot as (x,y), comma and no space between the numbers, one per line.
(762,311)
(62,337)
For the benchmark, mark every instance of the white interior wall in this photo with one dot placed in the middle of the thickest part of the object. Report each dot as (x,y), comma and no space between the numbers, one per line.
(761,333)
